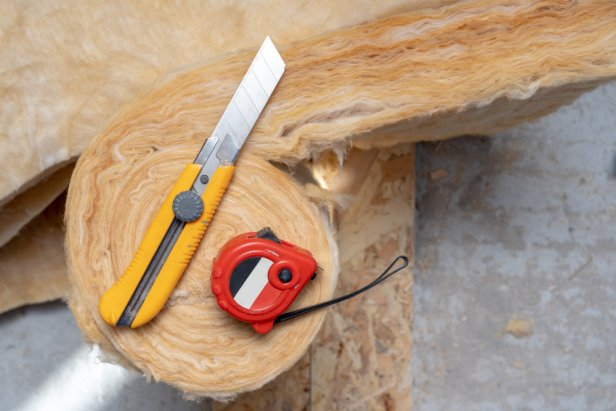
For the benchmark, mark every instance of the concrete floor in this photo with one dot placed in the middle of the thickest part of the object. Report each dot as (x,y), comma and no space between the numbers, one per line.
(45,365)
(522,226)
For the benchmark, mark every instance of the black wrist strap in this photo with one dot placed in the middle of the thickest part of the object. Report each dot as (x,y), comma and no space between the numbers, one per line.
(389,271)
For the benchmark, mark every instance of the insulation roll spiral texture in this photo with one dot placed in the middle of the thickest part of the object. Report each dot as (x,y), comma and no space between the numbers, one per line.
(117,187)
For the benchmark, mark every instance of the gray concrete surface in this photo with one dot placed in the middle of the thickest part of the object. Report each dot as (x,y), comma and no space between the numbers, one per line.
(45,365)
(523,226)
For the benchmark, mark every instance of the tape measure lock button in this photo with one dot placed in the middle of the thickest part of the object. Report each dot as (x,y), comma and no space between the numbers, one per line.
(282,274)
(285,275)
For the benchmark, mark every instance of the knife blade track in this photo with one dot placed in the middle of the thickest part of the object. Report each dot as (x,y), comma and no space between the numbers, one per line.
(151,272)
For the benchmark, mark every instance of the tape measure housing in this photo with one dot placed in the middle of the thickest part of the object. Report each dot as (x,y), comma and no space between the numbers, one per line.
(256,277)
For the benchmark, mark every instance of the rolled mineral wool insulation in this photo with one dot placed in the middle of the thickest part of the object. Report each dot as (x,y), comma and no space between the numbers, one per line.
(18,212)
(32,265)
(67,66)
(192,344)
(471,67)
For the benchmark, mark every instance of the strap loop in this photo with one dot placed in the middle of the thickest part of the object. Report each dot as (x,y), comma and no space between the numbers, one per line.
(389,271)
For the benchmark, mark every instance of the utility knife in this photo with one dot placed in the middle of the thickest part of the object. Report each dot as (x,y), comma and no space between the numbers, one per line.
(177,229)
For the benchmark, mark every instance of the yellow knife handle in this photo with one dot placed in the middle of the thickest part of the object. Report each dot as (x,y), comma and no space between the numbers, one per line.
(115,300)
(184,248)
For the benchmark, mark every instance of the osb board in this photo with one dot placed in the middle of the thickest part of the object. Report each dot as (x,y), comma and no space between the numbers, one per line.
(289,391)
(361,358)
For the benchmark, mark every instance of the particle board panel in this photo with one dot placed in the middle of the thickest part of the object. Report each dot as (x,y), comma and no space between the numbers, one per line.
(362,357)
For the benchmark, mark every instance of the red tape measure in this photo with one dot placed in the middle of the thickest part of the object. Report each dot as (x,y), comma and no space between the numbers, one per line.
(257,276)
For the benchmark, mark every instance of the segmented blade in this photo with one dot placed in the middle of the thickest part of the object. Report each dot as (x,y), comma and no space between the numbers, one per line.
(242,112)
